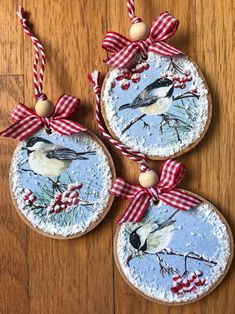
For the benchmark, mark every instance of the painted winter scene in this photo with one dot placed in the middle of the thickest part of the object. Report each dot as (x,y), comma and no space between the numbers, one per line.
(61,183)
(176,257)
(158,107)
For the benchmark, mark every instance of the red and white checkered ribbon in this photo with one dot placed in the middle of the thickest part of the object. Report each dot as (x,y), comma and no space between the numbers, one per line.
(124,50)
(28,122)
(172,174)
(125,150)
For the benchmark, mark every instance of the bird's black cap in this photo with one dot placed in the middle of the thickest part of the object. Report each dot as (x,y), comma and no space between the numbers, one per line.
(34,140)
(135,240)
(162,82)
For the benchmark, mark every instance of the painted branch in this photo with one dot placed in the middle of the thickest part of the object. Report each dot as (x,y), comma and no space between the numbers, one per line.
(133,122)
(184,96)
(199,258)
(164,252)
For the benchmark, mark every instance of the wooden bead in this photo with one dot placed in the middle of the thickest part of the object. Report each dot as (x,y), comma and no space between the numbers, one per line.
(148,179)
(139,31)
(44,108)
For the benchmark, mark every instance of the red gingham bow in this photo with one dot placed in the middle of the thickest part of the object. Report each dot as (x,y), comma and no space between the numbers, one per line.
(124,50)
(28,122)
(172,173)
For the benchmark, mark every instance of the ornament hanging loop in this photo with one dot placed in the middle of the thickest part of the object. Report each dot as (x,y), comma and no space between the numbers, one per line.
(139,30)
(44,108)
(39,59)
(131,11)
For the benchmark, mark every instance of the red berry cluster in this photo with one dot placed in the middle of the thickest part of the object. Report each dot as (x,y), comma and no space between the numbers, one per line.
(29,197)
(63,200)
(187,283)
(129,75)
(180,78)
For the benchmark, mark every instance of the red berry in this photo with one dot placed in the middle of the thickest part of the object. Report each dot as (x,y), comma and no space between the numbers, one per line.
(192,289)
(139,68)
(197,283)
(176,277)
(125,85)
(127,75)
(194,91)
(135,78)
(146,66)
(113,84)
(186,283)
(191,279)
(199,273)
(174,289)
(119,78)
(183,85)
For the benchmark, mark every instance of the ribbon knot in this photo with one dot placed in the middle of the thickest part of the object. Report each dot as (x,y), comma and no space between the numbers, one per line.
(154,194)
(124,50)
(171,174)
(28,122)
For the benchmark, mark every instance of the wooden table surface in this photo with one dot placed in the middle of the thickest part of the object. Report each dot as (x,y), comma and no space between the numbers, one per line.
(42,275)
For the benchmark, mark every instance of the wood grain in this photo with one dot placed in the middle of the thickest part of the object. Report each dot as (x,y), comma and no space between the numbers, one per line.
(40,275)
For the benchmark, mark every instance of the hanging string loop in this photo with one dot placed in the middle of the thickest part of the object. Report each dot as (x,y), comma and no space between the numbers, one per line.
(39,59)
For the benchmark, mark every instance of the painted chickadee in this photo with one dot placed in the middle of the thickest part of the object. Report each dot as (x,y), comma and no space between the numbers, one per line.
(155,99)
(152,237)
(48,159)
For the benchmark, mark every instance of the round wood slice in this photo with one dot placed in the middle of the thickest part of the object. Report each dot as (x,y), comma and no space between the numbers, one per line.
(145,263)
(129,114)
(103,212)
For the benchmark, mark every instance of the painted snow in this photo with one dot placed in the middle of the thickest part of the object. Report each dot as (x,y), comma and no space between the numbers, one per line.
(81,193)
(157,135)
(163,276)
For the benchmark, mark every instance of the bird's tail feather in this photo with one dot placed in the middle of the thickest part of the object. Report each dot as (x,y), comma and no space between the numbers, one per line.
(124,107)
(85,153)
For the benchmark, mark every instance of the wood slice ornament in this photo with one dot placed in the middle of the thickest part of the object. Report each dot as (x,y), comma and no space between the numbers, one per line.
(154,99)
(173,246)
(175,257)
(61,173)
(68,195)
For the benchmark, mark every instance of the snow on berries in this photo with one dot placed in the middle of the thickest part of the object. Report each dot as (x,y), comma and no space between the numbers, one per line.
(62,201)
(188,282)
(125,84)
(179,76)
(28,197)
(135,78)
(130,75)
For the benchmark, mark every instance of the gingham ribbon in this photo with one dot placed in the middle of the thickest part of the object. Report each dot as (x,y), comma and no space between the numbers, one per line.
(125,150)
(172,174)
(28,122)
(124,50)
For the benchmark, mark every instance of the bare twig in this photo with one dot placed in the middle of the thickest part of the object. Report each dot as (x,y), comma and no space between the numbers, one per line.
(190,255)
(165,268)
(133,122)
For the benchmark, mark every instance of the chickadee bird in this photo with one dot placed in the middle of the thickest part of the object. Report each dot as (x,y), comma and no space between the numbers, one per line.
(152,237)
(48,159)
(155,99)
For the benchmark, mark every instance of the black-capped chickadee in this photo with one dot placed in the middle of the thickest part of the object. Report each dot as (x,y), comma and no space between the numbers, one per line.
(155,99)
(152,237)
(48,159)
